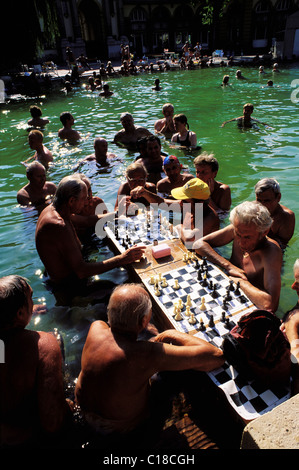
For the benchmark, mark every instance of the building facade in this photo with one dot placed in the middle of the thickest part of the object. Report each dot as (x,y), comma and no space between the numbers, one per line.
(98,27)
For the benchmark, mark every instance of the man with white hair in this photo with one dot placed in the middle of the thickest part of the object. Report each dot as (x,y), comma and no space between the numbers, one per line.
(255,261)
(267,192)
(128,136)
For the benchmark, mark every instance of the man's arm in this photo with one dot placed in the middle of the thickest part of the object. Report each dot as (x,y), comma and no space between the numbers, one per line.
(23,198)
(51,401)
(230,120)
(204,247)
(291,330)
(152,198)
(181,351)
(86,221)
(266,298)
(83,269)
(286,230)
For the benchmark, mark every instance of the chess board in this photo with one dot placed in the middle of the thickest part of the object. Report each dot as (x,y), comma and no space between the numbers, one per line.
(197,282)
(224,305)
(250,399)
(145,228)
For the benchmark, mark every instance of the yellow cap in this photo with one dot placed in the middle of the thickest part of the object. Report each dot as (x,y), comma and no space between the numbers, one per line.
(193,189)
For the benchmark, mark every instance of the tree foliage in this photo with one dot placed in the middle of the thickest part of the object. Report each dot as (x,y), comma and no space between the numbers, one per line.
(211,9)
(31,25)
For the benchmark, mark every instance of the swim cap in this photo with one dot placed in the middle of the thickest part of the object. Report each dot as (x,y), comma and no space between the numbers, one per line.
(170,159)
(193,189)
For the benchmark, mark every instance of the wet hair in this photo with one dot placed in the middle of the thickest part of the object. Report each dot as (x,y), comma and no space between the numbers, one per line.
(248,105)
(65,116)
(38,134)
(225,79)
(35,111)
(85,179)
(153,138)
(33,166)
(207,159)
(181,118)
(69,186)
(265,184)
(123,115)
(134,167)
(128,314)
(13,296)
(141,143)
(98,140)
(252,212)
(167,105)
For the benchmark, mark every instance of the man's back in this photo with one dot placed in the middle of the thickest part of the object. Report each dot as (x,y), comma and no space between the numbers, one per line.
(32,386)
(283,225)
(123,367)
(54,239)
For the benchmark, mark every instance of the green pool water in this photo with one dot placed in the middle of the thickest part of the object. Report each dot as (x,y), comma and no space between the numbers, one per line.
(244,158)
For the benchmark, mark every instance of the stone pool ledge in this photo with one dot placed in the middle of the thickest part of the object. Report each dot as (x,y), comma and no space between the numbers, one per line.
(278,429)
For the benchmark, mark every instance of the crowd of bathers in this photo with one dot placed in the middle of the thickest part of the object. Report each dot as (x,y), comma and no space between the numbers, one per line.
(113,386)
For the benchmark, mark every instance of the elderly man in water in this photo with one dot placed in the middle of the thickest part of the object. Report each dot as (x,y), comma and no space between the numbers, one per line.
(38,191)
(33,407)
(42,153)
(60,249)
(255,260)
(101,156)
(128,136)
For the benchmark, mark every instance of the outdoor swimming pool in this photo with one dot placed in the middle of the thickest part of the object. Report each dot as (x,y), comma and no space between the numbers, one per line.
(244,158)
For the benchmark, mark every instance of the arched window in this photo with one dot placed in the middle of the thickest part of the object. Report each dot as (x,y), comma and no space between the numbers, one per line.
(138,14)
(261,22)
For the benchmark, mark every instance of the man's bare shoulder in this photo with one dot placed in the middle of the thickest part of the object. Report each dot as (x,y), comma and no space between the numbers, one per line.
(47,345)
(222,186)
(23,194)
(163,184)
(51,220)
(286,213)
(186,177)
(271,249)
(142,130)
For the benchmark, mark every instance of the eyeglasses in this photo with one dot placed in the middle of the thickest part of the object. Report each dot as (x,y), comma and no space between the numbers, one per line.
(136,180)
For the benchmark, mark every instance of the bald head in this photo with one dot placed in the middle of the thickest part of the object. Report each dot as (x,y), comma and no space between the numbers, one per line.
(129,304)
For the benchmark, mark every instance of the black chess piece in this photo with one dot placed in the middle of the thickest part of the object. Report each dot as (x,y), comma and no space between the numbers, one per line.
(214,293)
(199,276)
(231,286)
(202,326)
(237,290)
(211,321)
(227,297)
